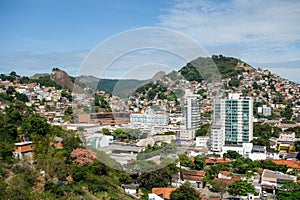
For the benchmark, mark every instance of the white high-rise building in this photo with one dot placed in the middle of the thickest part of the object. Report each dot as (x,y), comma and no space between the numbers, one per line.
(217,138)
(232,121)
(191,117)
(191,110)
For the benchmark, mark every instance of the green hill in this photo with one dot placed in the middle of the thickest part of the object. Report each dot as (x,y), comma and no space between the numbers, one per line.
(227,66)
(119,87)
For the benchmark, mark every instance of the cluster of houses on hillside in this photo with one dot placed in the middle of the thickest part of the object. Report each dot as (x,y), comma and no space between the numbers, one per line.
(231,127)
(49,102)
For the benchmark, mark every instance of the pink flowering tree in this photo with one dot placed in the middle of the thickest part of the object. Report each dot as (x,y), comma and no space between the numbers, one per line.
(83,156)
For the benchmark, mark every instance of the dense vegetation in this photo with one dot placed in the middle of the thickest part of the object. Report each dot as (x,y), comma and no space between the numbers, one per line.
(11,77)
(55,173)
(151,151)
(153,90)
(289,191)
(227,66)
(190,73)
(185,192)
(43,80)
(46,81)
(119,87)
(264,132)
(241,188)
(204,130)
(197,164)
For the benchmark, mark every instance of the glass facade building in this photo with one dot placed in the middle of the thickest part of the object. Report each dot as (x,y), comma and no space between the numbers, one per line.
(234,118)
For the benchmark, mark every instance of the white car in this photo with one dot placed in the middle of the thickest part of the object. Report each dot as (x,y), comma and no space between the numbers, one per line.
(265,194)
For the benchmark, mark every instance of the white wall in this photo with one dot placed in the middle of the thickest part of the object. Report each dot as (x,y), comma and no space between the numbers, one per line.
(152,196)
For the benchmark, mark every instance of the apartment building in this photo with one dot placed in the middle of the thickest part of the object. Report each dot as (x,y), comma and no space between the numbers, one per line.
(232,121)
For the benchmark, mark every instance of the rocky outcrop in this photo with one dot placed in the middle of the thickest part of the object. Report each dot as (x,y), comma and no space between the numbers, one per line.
(62,79)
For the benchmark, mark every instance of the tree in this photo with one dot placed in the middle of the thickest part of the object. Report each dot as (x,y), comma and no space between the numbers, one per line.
(106,131)
(157,178)
(261,141)
(288,113)
(255,86)
(83,156)
(201,91)
(68,95)
(219,186)
(22,97)
(119,134)
(10,90)
(289,191)
(234,83)
(214,170)
(296,130)
(24,80)
(5,97)
(243,165)
(185,192)
(185,161)
(266,131)
(268,164)
(297,145)
(13,73)
(19,188)
(231,154)
(6,150)
(35,126)
(69,111)
(199,162)
(241,188)
(204,130)
(71,141)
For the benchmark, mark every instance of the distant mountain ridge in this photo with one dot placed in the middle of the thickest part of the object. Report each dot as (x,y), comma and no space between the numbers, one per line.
(227,66)
(38,75)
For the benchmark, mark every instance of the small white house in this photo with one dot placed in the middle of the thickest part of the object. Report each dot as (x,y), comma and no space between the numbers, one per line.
(152,196)
(130,189)
(202,141)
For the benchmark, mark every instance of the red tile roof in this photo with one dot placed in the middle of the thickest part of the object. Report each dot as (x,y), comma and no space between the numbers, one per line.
(216,160)
(202,196)
(295,164)
(226,173)
(163,192)
(229,182)
(193,175)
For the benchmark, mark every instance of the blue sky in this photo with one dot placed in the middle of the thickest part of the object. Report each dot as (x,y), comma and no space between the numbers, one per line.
(38,35)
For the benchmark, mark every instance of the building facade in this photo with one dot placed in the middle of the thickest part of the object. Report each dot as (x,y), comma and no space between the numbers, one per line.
(149,118)
(202,142)
(264,110)
(191,110)
(232,121)
(217,138)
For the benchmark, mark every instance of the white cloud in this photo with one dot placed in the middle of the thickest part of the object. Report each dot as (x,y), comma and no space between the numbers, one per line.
(259,30)
(141,48)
